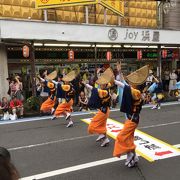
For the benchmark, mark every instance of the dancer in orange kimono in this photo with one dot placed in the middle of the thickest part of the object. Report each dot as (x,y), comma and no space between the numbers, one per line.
(48,105)
(65,106)
(131,105)
(100,99)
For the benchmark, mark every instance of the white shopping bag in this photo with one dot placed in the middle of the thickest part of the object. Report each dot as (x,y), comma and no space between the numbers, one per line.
(13,117)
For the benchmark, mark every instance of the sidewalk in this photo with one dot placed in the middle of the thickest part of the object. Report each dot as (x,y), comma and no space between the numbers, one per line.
(38,118)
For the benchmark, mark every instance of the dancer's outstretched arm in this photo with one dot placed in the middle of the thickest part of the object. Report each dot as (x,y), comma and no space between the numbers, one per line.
(88,86)
(43,80)
(119,83)
(55,82)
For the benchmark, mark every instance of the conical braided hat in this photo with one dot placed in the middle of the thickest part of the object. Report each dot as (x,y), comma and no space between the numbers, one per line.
(70,76)
(139,76)
(52,75)
(106,77)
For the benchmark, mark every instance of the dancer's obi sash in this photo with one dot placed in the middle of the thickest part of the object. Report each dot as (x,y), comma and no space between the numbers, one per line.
(131,103)
(95,100)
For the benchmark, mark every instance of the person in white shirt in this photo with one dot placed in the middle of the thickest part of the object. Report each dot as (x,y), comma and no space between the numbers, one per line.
(173,81)
(149,78)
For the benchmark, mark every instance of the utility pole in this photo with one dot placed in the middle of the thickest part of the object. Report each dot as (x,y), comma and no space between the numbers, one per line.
(33,70)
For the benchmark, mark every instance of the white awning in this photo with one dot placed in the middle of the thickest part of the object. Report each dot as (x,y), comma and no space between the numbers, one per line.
(48,31)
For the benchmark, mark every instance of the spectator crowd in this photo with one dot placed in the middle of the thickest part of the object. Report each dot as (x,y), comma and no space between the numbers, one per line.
(11,107)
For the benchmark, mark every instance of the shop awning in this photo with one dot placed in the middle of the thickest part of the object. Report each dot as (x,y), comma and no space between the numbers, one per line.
(82,33)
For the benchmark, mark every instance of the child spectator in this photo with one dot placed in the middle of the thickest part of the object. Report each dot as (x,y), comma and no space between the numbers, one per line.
(83,101)
(16,107)
(4,106)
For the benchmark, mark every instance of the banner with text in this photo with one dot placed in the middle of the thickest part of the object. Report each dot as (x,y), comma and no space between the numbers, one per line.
(43,4)
(148,147)
(114,5)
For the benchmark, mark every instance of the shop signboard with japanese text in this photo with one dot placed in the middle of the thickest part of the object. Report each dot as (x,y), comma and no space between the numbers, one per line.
(43,4)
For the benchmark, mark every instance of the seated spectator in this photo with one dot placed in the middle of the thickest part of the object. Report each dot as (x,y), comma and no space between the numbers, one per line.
(4,106)
(16,107)
(7,169)
(83,101)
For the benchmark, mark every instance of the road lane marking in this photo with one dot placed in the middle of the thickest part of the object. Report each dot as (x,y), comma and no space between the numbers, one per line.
(159,125)
(75,114)
(74,168)
(149,147)
(50,142)
(177,145)
(77,167)
(80,137)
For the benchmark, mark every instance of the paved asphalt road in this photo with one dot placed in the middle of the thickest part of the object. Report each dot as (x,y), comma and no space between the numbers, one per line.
(56,147)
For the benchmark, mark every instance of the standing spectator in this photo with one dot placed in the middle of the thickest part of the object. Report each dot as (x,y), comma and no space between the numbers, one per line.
(4,106)
(149,78)
(9,79)
(75,84)
(12,87)
(178,74)
(19,89)
(166,79)
(173,81)
(16,107)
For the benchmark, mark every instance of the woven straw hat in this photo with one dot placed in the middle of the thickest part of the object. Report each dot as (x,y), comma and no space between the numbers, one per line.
(106,77)
(52,75)
(139,76)
(69,77)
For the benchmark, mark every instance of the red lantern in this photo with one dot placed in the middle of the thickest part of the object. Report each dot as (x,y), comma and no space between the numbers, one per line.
(164,53)
(175,54)
(25,51)
(139,54)
(108,55)
(71,55)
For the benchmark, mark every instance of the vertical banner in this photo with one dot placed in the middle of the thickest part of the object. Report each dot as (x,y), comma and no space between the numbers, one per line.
(114,5)
(40,4)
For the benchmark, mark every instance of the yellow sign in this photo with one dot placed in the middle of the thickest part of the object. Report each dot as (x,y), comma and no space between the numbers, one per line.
(43,4)
(117,6)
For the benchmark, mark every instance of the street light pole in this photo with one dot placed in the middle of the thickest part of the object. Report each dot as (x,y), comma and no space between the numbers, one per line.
(159,62)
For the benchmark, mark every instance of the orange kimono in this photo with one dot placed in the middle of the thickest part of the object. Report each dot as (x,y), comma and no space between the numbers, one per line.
(48,105)
(131,105)
(125,139)
(65,106)
(98,123)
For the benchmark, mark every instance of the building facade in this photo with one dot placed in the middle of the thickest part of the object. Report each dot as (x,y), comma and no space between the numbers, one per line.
(56,31)
(137,13)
